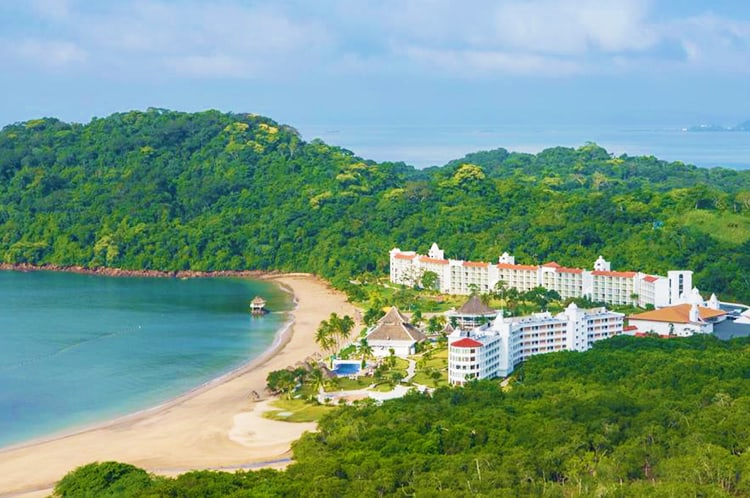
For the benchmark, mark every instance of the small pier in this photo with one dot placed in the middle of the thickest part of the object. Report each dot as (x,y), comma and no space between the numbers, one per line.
(258,306)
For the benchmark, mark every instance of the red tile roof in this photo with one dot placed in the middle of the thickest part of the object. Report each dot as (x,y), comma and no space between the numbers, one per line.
(467,343)
(516,267)
(562,269)
(551,264)
(425,259)
(401,255)
(629,328)
(622,274)
(676,314)
(650,278)
(475,264)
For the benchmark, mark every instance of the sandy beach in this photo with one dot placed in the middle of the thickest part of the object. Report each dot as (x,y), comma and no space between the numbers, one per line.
(216,426)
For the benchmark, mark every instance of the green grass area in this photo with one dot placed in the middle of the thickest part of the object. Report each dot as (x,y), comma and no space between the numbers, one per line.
(421,377)
(433,360)
(296,410)
(724,226)
(407,299)
(383,388)
(347,384)
(401,364)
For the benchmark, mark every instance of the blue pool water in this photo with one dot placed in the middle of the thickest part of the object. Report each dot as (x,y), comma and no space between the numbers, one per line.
(346,368)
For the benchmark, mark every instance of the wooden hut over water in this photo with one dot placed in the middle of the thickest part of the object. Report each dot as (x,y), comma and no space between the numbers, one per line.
(258,306)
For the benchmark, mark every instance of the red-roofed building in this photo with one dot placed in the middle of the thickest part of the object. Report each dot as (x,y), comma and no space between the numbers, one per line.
(494,349)
(600,284)
(472,358)
(466,343)
(682,320)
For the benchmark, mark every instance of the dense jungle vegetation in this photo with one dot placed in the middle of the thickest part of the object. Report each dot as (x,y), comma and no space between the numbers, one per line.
(630,418)
(208,191)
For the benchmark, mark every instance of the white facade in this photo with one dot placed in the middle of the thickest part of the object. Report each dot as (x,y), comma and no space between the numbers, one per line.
(382,348)
(682,320)
(600,284)
(494,350)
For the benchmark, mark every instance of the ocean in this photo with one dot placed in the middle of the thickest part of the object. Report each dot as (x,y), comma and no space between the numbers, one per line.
(424,146)
(81,349)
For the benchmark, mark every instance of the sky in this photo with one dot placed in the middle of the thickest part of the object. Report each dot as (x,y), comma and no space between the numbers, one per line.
(330,63)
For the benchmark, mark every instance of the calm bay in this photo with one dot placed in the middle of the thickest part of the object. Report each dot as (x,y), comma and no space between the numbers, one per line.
(80,349)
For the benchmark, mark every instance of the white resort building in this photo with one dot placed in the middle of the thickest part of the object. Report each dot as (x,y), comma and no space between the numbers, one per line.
(394,332)
(494,349)
(682,320)
(600,284)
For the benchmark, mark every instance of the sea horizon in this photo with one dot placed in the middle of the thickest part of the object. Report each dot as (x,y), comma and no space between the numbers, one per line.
(165,339)
(435,145)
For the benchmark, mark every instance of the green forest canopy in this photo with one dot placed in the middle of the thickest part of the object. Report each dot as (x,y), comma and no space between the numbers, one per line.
(209,191)
(633,417)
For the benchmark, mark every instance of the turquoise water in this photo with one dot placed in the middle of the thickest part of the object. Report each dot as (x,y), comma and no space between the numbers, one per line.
(78,349)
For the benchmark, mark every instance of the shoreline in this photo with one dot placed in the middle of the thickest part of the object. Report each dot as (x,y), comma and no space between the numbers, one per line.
(216,424)
(281,338)
(106,271)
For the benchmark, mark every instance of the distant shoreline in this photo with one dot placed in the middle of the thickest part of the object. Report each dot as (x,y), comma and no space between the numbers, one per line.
(121,272)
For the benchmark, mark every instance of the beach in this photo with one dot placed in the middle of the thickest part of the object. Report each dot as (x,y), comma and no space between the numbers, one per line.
(215,426)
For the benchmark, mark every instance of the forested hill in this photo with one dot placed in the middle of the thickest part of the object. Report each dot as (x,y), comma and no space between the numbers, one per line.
(209,191)
(634,417)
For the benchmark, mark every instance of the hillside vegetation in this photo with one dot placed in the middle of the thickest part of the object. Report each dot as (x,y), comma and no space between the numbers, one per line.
(209,191)
(630,418)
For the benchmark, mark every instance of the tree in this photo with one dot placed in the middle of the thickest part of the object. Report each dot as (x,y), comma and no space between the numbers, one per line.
(283,381)
(416,318)
(324,337)
(365,350)
(372,315)
(435,324)
(104,479)
(396,377)
(430,280)
(391,357)
(317,379)
(499,289)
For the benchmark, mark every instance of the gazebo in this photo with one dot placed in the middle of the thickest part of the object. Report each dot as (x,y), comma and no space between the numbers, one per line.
(258,306)
(472,314)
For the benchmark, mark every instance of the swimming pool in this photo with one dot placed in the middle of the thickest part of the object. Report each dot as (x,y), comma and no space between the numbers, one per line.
(348,368)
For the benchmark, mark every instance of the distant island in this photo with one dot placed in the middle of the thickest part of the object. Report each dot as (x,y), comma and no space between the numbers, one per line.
(744,126)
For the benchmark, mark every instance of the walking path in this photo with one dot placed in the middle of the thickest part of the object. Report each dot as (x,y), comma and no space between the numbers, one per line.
(410,370)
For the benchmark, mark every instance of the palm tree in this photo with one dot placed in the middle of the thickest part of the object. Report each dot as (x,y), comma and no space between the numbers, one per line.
(345,327)
(317,379)
(324,337)
(365,349)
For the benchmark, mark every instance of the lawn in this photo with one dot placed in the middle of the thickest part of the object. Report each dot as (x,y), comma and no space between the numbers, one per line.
(347,384)
(437,359)
(296,410)
(422,378)
(726,227)
(383,388)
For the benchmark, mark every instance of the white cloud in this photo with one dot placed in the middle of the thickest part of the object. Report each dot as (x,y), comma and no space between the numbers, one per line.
(484,38)
(482,62)
(50,53)
(225,39)
(546,37)
(712,42)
